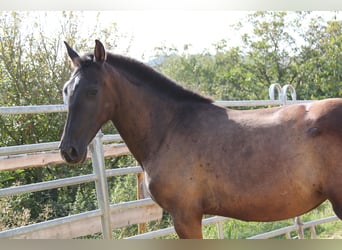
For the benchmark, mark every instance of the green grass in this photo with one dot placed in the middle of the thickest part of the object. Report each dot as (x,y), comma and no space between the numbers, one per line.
(335,234)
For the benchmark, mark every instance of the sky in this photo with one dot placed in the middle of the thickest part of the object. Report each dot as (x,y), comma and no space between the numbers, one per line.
(145,30)
(151,29)
(176,28)
(148,29)
(153,23)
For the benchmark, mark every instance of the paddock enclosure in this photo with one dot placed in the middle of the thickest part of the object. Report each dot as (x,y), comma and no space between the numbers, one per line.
(109,216)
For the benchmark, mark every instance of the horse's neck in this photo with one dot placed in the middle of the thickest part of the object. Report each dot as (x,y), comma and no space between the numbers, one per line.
(142,118)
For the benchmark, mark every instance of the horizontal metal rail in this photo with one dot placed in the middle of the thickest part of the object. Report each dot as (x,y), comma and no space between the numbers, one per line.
(58,108)
(28,148)
(123,171)
(41,186)
(171,230)
(33,109)
(12,233)
(219,219)
(252,103)
(46,185)
(293,228)
(47,146)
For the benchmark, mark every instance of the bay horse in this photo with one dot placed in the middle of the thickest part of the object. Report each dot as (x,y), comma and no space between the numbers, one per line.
(199,158)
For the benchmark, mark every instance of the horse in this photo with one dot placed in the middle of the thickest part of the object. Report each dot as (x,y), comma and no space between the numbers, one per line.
(199,158)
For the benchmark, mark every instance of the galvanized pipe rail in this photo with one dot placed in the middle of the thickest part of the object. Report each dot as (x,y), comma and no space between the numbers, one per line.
(274,89)
(218,220)
(287,230)
(171,230)
(46,185)
(46,146)
(33,109)
(19,232)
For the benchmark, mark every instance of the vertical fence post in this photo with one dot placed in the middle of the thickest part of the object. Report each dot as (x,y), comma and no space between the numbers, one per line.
(220,230)
(99,169)
(288,235)
(141,194)
(300,230)
(313,232)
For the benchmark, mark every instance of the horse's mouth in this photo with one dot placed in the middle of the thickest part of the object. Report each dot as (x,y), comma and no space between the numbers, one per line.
(72,156)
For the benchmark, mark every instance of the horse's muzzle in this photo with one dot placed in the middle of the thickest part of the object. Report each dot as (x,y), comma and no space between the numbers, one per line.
(71,155)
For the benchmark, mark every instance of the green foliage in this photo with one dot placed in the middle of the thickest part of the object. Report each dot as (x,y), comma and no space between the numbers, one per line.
(321,60)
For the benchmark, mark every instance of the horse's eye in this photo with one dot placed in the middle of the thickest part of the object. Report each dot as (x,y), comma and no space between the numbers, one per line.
(92,92)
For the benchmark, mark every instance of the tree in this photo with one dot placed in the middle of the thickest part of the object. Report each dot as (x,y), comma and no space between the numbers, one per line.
(321,60)
(271,49)
(297,48)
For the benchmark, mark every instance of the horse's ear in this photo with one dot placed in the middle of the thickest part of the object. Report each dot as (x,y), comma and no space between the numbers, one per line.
(99,52)
(75,58)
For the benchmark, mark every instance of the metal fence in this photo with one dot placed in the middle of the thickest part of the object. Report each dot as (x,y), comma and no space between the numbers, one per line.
(109,216)
(124,213)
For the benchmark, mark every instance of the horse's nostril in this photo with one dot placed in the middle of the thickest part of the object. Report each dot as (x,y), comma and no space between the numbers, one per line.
(72,152)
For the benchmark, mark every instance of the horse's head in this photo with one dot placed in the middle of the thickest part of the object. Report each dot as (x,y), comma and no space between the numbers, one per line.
(88,103)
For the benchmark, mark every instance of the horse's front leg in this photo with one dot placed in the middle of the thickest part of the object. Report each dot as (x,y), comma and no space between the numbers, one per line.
(187,223)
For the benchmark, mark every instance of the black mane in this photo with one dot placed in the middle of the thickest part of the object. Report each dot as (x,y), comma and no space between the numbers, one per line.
(144,74)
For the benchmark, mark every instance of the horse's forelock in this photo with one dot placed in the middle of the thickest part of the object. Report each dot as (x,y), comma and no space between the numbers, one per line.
(87,60)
